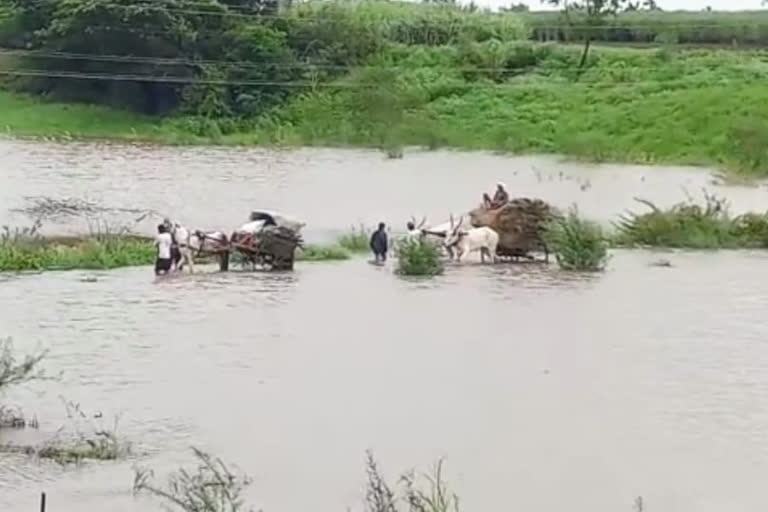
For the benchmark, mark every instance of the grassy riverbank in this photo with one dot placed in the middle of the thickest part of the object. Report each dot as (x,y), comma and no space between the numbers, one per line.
(25,115)
(644,106)
(389,75)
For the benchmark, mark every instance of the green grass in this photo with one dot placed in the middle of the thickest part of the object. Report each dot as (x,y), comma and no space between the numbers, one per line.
(92,253)
(25,250)
(322,253)
(357,240)
(699,107)
(643,106)
(578,244)
(693,226)
(394,74)
(25,115)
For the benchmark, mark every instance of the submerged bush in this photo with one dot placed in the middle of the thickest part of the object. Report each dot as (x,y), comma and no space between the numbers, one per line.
(18,253)
(418,258)
(211,487)
(15,371)
(693,226)
(579,244)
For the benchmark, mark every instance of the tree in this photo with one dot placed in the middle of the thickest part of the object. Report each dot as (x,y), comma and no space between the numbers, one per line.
(518,7)
(201,57)
(590,15)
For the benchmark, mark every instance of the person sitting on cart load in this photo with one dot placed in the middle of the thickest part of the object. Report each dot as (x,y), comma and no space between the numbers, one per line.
(163,243)
(379,243)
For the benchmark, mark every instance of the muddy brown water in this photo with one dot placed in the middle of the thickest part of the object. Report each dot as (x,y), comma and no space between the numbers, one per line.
(543,391)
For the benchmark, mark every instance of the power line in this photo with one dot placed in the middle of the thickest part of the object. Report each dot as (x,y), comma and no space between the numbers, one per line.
(311,84)
(168,79)
(172,61)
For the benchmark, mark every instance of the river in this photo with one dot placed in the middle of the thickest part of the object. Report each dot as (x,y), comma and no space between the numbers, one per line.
(543,391)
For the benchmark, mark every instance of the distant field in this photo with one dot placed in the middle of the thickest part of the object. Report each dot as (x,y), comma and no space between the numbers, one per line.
(740,28)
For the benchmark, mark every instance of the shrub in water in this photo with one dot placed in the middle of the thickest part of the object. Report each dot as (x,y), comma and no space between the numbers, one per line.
(578,244)
(418,258)
(693,226)
(750,230)
(18,253)
(682,225)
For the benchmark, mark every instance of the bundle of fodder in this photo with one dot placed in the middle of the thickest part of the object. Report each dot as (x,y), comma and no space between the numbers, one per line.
(520,223)
(279,241)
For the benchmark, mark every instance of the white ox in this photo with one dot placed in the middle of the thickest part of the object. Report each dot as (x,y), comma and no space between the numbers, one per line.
(434,234)
(483,239)
(197,242)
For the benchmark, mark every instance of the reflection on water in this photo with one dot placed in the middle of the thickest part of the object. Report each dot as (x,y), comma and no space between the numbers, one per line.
(642,380)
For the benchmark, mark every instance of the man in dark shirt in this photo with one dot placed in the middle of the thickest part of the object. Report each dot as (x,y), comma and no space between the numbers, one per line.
(379,243)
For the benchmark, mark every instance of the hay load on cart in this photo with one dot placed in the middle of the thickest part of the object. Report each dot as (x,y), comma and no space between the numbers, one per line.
(520,223)
(269,240)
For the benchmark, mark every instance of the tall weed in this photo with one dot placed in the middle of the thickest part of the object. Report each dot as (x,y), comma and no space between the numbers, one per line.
(579,244)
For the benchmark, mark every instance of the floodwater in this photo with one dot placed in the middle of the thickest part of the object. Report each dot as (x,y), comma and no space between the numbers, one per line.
(542,391)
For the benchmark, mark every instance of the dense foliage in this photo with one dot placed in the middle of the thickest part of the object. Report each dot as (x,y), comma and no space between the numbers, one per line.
(213,58)
(19,253)
(389,74)
(418,258)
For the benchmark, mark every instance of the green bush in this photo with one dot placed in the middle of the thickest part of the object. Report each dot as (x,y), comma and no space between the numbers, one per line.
(418,258)
(578,244)
(693,226)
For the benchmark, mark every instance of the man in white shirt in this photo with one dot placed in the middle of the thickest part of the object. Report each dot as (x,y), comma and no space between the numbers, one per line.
(163,244)
(414,233)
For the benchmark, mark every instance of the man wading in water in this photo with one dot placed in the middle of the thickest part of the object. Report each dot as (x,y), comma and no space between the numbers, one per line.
(379,244)
(163,244)
(170,228)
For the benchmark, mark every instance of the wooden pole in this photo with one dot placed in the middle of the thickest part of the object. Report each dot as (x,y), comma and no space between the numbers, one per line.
(42,502)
